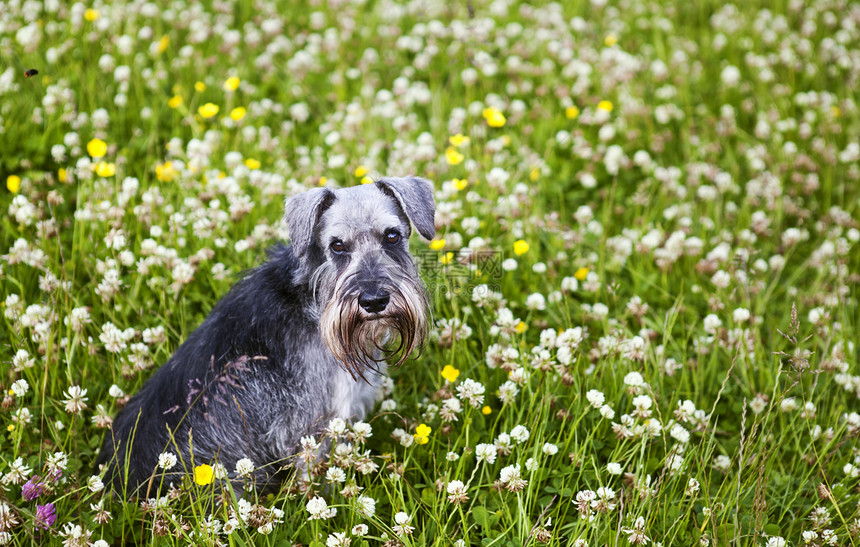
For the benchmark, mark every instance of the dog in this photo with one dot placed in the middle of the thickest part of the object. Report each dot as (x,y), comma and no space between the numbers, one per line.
(298,341)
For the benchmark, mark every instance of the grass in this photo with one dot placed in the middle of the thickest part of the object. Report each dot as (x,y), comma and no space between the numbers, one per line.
(684,175)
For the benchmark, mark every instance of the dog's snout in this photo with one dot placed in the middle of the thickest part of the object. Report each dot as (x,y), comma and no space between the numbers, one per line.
(373,301)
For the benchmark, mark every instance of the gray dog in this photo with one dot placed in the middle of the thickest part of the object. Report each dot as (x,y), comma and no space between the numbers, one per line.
(300,340)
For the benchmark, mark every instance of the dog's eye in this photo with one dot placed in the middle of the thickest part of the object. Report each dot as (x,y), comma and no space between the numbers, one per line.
(392,237)
(337,247)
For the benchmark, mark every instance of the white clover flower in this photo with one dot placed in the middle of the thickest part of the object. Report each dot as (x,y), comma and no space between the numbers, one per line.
(335,474)
(75,400)
(569,284)
(520,434)
(712,323)
(692,487)
(337,539)
(360,530)
(536,301)
(472,392)
(402,528)
(741,315)
(730,76)
(22,360)
(244,467)
(595,398)
(319,509)
(486,453)
(336,427)
(634,379)
(457,492)
(614,468)
(550,449)
(95,484)
(722,463)
(167,460)
(642,403)
(721,279)
(679,433)
(20,387)
(230,526)
(511,478)
(361,431)
(508,392)
(607,412)
(366,506)
(116,392)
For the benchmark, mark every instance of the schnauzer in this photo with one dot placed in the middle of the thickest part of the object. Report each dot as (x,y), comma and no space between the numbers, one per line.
(300,340)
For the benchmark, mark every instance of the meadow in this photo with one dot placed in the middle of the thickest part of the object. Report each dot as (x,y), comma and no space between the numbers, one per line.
(644,279)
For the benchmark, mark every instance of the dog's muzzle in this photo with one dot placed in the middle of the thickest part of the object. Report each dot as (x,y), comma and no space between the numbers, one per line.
(365,326)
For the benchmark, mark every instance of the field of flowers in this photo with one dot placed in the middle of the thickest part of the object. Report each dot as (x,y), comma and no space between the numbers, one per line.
(644,281)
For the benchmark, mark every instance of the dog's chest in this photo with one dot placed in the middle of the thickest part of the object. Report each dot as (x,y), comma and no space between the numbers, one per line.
(352,399)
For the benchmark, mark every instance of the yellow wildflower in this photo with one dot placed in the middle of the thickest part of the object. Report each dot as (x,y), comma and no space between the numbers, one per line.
(437,244)
(520,247)
(450,373)
(460,184)
(494,117)
(237,113)
(571,112)
(422,434)
(231,84)
(605,105)
(165,172)
(534,174)
(360,171)
(96,148)
(105,169)
(200,87)
(322,181)
(208,110)
(203,474)
(458,140)
(446,258)
(62,174)
(581,273)
(91,15)
(486,410)
(163,43)
(835,111)
(252,164)
(610,40)
(453,157)
(10,428)
(521,327)
(13,183)
(366,180)
(175,101)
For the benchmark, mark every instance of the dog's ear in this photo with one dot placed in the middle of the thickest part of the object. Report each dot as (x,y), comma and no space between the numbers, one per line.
(415,196)
(302,213)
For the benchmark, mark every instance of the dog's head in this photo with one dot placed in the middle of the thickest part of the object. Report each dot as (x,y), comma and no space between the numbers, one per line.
(354,247)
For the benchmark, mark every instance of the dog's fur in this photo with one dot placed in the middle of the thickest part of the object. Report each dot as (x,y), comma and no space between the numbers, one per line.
(300,340)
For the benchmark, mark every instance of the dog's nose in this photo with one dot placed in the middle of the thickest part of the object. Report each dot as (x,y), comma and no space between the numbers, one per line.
(373,301)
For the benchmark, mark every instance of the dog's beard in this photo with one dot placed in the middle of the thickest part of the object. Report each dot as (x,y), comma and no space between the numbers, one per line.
(361,341)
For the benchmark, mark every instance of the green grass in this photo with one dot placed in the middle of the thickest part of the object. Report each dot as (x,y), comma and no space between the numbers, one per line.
(757,179)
